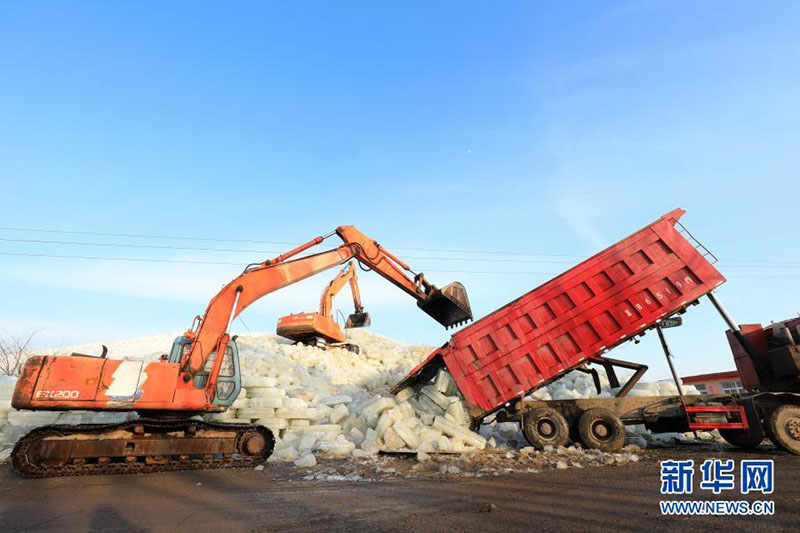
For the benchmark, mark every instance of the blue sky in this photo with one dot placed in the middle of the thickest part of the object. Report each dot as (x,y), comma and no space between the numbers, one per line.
(539,127)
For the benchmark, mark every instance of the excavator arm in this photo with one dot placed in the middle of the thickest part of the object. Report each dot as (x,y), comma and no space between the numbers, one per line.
(348,274)
(358,318)
(448,306)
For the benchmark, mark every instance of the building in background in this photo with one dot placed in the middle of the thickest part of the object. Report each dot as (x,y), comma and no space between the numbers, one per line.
(716,383)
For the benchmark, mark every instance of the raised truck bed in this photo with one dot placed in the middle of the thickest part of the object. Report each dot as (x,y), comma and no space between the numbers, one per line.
(572,322)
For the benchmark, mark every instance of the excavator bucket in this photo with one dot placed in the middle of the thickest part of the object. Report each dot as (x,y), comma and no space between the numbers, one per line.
(449,305)
(357,320)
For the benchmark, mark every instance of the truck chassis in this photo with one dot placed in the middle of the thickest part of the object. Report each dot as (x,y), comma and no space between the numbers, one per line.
(742,420)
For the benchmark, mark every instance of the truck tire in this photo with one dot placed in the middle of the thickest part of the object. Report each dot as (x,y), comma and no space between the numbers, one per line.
(601,429)
(784,427)
(747,439)
(543,426)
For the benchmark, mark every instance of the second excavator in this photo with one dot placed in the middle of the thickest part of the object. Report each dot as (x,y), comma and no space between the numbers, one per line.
(320,329)
(192,379)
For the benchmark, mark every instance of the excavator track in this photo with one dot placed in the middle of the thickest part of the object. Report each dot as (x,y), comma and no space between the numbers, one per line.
(140,446)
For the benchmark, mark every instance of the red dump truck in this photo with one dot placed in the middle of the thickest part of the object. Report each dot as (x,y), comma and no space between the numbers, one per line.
(575,319)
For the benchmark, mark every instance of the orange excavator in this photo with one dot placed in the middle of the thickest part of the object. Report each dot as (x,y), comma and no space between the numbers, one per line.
(192,379)
(320,329)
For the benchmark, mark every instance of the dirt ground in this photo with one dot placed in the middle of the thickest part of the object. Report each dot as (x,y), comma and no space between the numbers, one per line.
(622,497)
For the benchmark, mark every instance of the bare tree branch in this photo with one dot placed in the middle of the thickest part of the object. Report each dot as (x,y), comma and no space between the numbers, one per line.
(14,350)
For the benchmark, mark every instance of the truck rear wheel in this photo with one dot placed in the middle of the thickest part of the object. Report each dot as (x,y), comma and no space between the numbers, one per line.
(543,426)
(784,427)
(748,439)
(601,429)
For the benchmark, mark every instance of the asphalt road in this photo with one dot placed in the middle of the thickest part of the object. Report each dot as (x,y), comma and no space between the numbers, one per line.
(619,498)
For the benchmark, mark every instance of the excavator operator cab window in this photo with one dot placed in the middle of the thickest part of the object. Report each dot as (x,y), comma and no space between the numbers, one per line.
(227,369)
(229,379)
(180,347)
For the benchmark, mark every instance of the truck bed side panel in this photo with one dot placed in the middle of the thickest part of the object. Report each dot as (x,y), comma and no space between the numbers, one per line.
(583,312)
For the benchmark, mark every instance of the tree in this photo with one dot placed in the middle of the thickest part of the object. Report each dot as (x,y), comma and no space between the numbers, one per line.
(14,350)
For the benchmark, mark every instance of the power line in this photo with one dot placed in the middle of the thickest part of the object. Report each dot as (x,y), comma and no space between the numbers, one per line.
(763,276)
(248,241)
(128,259)
(558,273)
(489,272)
(130,245)
(782,261)
(204,249)
(294,243)
(142,235)
(748,264)
(187,261)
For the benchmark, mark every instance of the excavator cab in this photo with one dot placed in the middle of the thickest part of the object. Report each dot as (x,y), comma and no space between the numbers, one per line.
(229,381)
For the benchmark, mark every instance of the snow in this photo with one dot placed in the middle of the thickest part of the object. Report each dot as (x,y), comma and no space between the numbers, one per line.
(336,403)
(147,348)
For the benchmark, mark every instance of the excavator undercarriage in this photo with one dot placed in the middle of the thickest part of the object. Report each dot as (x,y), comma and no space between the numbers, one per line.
(139,446)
